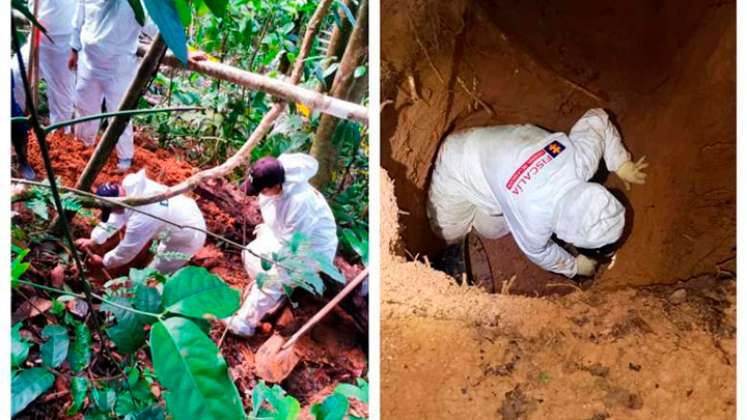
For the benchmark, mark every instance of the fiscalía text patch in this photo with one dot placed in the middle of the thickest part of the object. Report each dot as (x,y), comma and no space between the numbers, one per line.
(529,169)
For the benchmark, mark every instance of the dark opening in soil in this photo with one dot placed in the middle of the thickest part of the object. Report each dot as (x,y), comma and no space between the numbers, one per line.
(666,74)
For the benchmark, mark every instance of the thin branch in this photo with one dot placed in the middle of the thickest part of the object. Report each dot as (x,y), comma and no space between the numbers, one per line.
(60,124)
(99,297)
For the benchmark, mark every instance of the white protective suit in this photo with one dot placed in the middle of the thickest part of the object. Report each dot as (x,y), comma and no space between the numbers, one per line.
(532,183)
(299,208)
(56,16)
(105,33)
(141,228)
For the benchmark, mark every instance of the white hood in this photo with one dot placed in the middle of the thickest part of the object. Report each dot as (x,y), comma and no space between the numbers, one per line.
(299,169)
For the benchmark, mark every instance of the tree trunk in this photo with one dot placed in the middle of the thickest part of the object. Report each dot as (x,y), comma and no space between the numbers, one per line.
(145,72)
(337,42)
(322,148)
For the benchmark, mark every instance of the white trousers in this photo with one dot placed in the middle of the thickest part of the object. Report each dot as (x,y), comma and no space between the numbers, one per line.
(260,301)
(60,80)
(97,85)
(53,56)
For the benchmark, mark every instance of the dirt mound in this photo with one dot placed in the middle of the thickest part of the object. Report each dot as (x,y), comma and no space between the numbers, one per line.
(667,75)
(69,156)
(457,352)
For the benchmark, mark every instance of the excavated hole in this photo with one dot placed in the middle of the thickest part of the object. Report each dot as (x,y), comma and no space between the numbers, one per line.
(664,73)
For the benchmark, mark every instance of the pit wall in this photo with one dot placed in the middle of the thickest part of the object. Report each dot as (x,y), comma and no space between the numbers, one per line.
(666,74)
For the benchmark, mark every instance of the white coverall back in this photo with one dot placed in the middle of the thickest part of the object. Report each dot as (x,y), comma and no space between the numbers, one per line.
(141,228)
(56,16)
(513,178)
(105,33)
(299,208)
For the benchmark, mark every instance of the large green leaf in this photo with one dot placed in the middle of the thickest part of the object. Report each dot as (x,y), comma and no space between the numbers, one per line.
(166,17)
(128,335)
(79,355)
(78,391)
(27,386)
(19,347)
(194,292)
(54,350)
(18,267)
(137,8)
(189,365)
(104,399)
(185,13)
(359,392)
(333,407)
(218,7)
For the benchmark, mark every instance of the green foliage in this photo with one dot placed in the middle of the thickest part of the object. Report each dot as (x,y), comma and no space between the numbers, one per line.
(78,390)
(27,385)
(193,291)
(79,355)
(273,403)
(18,267)
(188,364)
(20,346)
(41,199)
(300,265)
(54,349)
(336,405)
(21,6)
(348,191)
(128,335)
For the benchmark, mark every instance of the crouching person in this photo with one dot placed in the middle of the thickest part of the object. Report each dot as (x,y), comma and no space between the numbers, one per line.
(289,205)
(177,245)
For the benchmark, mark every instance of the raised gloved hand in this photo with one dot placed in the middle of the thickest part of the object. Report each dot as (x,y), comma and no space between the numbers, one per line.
(632,172)
(585,266)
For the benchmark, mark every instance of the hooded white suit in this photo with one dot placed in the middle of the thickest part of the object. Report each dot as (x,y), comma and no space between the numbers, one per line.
(298,208)
(141,228)
(532,183)
(56,16)
(105,33)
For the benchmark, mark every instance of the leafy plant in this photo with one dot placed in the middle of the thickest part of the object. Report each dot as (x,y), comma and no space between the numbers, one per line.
(296,265)
(273,403)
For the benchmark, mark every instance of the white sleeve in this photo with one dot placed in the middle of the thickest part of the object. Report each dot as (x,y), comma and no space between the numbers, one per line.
(78,19)
(140,230)
(105,230)
(552,257)
(595,137)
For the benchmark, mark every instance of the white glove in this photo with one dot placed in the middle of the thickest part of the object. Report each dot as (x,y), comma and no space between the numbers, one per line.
(632,173)
(585,266)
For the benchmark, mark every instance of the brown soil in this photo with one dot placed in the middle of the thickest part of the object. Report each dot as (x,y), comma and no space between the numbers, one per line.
(449,351)
(666,74)
(333,352)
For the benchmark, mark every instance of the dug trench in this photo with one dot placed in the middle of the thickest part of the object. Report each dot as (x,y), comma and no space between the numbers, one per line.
(652,336)
(334,351)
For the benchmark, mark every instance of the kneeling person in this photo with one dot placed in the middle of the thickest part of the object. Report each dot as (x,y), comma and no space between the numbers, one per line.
(289,205)
(141,228)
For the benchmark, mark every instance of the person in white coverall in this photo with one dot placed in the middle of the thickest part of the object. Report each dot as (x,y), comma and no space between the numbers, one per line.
(141,228)
(288,204)
(524,180)
(56,16)
(104,42)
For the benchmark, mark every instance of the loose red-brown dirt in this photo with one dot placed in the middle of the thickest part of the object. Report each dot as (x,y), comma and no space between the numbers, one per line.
(450,351)
(666,74)
(332,353)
